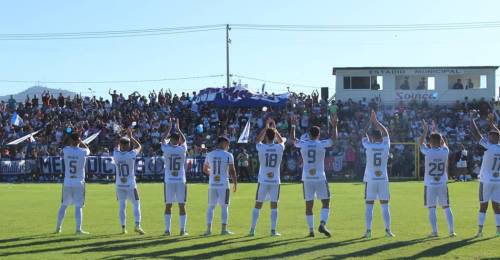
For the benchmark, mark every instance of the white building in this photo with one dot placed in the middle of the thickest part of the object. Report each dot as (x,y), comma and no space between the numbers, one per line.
(395,84)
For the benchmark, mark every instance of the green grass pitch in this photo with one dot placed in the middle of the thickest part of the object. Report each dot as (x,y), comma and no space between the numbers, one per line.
(28,216)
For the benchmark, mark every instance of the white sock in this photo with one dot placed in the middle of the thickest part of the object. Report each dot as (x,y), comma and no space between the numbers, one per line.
(255,217)
(210,214)
(369,216)
(274,218)
(168,217)
(433,219)
(78,218)
(449,219)
(137,212)
(224,214)
(324,214)
(497,220)
(182,222)
(387,216)
(481,218)
(310,222)
(122,211)
(60,216)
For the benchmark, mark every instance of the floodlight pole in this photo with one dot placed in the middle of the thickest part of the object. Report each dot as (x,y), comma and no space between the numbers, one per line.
(228,41)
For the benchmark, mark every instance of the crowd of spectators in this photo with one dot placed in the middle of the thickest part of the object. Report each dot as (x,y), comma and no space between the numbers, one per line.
(203,122)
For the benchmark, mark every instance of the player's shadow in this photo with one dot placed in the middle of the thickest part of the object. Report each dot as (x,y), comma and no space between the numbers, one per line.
(24,238)
(124,245)
(47,239)
(201,246)
(27,248)
(446,248)
(300,251)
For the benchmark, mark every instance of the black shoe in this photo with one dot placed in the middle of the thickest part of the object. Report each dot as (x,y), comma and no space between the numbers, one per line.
(324,230)
(311,234)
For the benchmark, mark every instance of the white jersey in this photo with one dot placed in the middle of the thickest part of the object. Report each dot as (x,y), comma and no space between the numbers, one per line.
(175,161)
(219,161)
(490,168)
(75,159)
(125,169)
(313,158)
(436,165)
(270,156)
(377,155)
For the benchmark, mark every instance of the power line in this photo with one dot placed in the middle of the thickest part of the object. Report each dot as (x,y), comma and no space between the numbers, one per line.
(109,34)
(111,81)
(253,27)
(275,82)
(377,27)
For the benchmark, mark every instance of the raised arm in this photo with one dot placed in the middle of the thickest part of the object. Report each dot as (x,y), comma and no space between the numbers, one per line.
(379,125)
(293,121)
(82,144)
(491,122)
(262,133)
(182,138)
(166,134)
(134,141)
(425,127)
(279,139)
(474,130)
(333,121)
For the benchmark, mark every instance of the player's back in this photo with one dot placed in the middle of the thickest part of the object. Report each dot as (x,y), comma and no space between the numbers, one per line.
(270,156)
(219,161)
(436,162)
(125,168)
(313,158)
(175,161)
(377,155)
(74,165)
(490,167)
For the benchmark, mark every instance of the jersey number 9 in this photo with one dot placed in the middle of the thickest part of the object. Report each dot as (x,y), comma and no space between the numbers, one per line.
(311,156)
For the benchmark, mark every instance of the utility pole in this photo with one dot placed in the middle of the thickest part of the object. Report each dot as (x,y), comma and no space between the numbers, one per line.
(228,41)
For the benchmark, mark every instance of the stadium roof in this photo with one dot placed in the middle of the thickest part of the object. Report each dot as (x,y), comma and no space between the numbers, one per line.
(419,67)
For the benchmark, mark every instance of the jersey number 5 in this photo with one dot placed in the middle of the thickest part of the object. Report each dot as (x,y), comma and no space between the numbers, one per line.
(72,167)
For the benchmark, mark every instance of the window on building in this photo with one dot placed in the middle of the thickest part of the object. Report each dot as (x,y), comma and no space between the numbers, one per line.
(431,83)
(347,82)
(483,82)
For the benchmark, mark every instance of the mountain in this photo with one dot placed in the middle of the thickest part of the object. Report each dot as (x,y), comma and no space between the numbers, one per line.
(38,90)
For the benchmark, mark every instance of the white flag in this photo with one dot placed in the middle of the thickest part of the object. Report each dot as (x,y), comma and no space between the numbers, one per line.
(245,134)
(91,138)
(24,138)
(16,119)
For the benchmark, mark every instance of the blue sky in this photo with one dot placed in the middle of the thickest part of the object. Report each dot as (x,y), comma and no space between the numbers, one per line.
(298,57)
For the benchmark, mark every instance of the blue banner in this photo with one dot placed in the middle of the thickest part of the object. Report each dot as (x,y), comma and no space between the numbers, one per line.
(240,96)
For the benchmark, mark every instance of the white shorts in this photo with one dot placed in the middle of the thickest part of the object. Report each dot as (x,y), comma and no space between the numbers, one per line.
(127,194)
(267,191)
(73,195)
(377,190)
(436,194)
(218,196)
(489,191)
(175,192)
(316,189)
